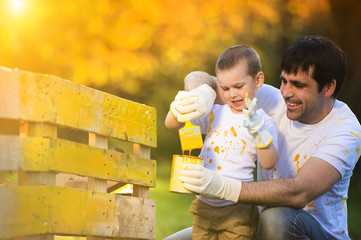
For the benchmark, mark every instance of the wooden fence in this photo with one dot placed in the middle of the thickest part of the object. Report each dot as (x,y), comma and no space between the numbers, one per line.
(64,148)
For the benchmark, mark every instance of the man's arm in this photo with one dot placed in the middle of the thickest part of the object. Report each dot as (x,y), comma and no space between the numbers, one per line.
(314,179)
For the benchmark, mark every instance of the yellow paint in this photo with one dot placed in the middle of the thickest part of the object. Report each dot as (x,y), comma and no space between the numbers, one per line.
(190,137)
(45,98)
(211,117)
(45,154)
(356,134)
(341,119)
(313,206)
(175,184)
(233,131)
(297,162)
(219,167)
(70,211)
(358,151)
(343,201)
(216,149)
(244,146)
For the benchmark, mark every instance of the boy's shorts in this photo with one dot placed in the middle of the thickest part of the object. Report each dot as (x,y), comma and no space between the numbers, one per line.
(236,221)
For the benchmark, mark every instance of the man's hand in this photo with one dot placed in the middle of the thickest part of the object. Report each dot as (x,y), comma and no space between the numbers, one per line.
(210,184)
(255,124)
(193,104)
(175,105)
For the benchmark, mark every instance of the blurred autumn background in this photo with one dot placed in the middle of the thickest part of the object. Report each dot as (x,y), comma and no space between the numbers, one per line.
(142,50)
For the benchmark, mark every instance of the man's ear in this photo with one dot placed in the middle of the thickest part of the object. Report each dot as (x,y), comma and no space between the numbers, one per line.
(259,79)
(329,88)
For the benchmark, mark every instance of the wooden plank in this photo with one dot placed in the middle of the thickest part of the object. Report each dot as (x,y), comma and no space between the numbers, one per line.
(142,151)
(96,184)
(45,154)
(57,210)
(30,129)
(46,98)
(9,92)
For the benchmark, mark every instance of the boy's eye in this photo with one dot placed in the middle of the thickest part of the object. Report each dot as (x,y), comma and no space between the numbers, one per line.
(224,88)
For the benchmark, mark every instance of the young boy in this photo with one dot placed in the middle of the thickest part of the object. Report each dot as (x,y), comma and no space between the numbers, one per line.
(230,149)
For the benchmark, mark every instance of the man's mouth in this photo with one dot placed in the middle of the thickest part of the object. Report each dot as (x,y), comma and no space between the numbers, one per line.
(292,105)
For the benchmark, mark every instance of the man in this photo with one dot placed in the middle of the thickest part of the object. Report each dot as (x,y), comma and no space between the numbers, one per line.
(319,145)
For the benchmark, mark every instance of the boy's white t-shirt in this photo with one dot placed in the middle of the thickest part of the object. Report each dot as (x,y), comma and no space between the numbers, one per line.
(228,148)
(336,139)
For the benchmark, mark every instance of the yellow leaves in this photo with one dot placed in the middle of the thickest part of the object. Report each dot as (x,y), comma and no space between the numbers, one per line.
(128,43)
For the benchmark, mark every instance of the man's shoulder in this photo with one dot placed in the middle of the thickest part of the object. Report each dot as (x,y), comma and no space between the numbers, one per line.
(342,113)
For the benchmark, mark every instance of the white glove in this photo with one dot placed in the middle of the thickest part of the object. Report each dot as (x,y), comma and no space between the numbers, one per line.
(176,104)
(194,104)
(255,124)
(210,184)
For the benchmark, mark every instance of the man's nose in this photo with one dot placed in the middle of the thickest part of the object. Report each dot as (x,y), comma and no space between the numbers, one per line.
(286,91)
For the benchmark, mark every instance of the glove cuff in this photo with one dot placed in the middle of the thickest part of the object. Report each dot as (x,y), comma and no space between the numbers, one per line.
(262,138)
(232,189)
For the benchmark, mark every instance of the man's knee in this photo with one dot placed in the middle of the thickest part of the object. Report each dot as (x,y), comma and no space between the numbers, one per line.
(274,222)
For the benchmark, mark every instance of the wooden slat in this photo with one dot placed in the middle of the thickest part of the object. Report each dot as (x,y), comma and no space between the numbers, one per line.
(44,154)
(9,92)
(31,129)
(45,98)
(57,210)
(142,151)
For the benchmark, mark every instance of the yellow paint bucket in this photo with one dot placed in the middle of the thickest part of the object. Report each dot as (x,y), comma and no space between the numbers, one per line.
(179,161)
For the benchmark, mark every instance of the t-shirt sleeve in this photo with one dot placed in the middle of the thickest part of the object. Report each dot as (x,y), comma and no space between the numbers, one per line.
(270,99)
(341,147)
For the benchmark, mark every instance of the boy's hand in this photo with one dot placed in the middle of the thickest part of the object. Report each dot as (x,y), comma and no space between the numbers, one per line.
(210,184)
(193,104)
(255,124)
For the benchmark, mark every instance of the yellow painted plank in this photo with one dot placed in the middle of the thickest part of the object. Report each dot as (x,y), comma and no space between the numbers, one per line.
(46,154)
(9,91)
(46,98)
(69,211)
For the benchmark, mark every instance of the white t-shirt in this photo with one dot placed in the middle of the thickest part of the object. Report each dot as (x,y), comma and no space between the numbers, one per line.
(228,147)
(336,139)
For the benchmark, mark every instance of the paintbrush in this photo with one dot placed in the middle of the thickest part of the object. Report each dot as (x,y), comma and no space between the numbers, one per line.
(190,137)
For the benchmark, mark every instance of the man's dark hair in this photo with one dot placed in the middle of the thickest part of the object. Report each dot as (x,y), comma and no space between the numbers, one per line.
(321,53)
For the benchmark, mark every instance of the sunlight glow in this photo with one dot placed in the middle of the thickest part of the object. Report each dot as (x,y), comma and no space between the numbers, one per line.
(16,5)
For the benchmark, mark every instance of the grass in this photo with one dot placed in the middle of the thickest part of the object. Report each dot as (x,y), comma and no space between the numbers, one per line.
(172,209)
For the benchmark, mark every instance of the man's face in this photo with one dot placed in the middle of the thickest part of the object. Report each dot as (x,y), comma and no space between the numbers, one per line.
(234,83)
(304,102)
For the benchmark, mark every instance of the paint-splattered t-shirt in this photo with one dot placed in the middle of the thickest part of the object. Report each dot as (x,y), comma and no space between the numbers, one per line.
(228,147)
(336,139)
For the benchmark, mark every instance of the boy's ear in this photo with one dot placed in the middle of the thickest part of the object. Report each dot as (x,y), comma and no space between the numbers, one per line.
(329,89)
(259,79)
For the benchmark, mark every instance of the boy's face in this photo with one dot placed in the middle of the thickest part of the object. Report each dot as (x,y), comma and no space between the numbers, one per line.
(235,82)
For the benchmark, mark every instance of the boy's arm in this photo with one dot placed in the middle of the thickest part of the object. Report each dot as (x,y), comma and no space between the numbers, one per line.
(171,123)
(268,156)
(266,151)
